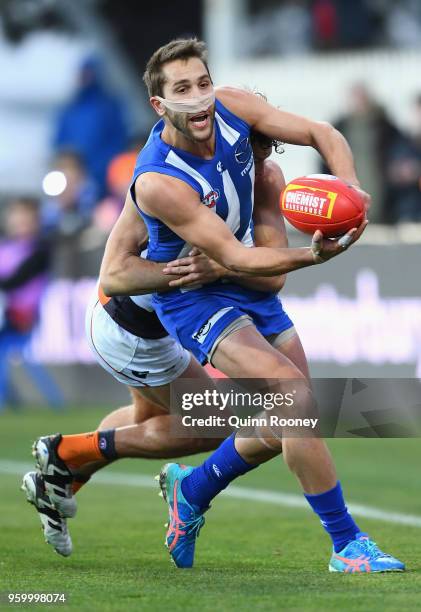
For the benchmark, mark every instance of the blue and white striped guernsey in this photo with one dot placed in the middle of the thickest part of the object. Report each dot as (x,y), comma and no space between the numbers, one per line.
(224,183)
(197,316)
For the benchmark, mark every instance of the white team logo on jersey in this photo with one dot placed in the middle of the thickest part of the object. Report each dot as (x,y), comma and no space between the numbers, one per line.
(243,151)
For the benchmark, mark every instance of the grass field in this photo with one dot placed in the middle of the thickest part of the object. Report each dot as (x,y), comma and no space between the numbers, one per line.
(251,555)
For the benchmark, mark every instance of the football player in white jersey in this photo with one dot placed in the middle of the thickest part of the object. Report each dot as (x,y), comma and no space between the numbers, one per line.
(145,429)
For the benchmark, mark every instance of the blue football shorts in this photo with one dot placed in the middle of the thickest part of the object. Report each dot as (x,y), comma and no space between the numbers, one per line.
(197,318)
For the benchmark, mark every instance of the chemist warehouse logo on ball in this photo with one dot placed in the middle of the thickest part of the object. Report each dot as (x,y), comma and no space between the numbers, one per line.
(211,198)
(309,200)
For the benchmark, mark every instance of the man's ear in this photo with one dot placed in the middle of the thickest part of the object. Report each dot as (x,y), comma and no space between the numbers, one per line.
(157,105)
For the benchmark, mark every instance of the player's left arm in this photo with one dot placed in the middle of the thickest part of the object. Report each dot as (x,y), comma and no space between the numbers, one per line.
(294,129)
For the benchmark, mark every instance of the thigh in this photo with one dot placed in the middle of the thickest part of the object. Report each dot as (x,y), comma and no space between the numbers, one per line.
(293,350)
(153,401)
(246,354)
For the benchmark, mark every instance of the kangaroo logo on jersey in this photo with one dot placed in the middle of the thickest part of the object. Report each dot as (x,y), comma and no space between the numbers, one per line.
(211,198)
(201,334)
(243,151)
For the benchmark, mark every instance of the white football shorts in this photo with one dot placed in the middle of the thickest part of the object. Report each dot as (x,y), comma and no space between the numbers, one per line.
(134,361)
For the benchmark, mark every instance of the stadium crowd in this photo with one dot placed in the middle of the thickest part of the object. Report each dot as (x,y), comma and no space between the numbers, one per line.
(302,26)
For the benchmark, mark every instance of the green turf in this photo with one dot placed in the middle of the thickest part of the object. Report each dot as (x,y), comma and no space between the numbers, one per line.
(251,555)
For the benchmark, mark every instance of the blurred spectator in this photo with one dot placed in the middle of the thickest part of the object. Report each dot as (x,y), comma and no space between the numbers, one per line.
(403,23)
(297,26)
(24,262)
(325,24)
(93,123)
(24,266)
(119,177)
(68,213)
(355,23)
(283,30)
(293,24)
(93,238)
(70,210)
(416,122)
(405,172)
(373,138)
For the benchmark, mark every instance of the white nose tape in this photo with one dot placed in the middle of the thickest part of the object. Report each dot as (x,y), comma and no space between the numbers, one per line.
(190,105)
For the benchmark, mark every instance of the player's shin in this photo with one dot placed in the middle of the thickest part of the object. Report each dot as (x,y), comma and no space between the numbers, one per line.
(308,458)
(223,466)
(76,450)
(156,438)
(310,461)
(334,516)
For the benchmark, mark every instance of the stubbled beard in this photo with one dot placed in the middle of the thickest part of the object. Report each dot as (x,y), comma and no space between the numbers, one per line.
(181,123)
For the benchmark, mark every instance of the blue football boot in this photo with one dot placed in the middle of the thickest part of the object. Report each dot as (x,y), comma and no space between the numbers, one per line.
(185,520)
(361,556)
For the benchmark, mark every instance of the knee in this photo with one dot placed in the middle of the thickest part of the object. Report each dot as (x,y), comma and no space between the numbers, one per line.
(296,414)
(299,401)
(290,389)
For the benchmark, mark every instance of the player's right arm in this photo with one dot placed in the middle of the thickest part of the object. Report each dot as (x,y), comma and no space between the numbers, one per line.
(178,206)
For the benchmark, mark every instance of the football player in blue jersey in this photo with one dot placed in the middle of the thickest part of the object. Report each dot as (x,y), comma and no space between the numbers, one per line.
(196,163)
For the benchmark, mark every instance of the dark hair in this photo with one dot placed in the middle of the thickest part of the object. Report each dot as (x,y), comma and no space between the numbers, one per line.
(182,48)
(260,139)
(265,142)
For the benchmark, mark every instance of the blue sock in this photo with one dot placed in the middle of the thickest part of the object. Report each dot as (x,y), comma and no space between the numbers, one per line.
(334,516)
(214,475)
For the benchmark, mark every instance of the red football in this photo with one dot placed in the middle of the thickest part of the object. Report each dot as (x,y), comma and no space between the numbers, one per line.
(324,202)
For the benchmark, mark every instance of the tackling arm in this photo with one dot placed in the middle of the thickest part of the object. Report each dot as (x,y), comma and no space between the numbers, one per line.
(123,272)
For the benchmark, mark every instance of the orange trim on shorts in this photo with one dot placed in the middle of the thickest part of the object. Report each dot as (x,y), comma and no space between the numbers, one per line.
(102,297)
